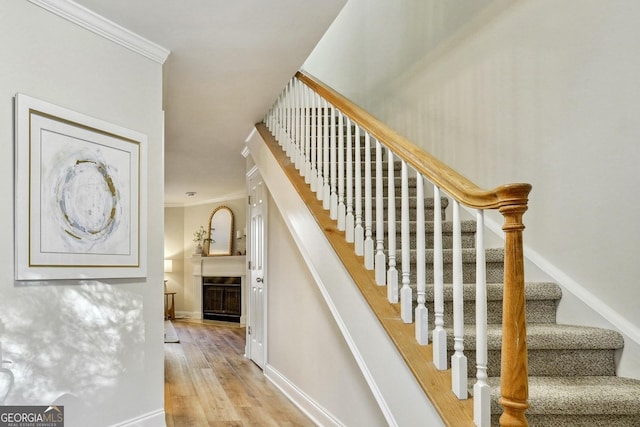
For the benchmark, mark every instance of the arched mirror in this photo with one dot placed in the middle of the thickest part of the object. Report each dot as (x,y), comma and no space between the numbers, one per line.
(220,232)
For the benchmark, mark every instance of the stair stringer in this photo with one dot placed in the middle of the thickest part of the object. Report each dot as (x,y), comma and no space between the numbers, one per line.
(382,366)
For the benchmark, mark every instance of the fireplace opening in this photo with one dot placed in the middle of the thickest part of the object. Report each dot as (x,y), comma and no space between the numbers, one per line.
(222,298)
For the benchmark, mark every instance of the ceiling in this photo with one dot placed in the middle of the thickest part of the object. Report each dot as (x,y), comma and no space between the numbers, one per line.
(229,60)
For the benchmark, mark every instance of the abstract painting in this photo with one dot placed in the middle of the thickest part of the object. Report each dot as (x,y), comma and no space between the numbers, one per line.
(78,195)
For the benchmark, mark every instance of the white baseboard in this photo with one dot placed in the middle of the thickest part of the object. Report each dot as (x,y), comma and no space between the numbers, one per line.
(315,412)
(197,316)
(188,315)
(150,419)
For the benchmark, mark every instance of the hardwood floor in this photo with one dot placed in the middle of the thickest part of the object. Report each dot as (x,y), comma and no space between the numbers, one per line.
(209,382)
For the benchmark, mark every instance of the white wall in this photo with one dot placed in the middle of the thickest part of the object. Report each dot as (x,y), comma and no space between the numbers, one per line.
(304,342)
(96,346)
(174,250)
(544,92)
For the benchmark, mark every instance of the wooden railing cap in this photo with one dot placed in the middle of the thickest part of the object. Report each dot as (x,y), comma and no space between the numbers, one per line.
(450,181)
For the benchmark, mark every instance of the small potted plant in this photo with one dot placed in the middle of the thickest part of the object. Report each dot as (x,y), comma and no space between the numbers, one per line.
(198,238)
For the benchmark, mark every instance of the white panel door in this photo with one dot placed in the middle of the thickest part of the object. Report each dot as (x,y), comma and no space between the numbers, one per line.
(257,258)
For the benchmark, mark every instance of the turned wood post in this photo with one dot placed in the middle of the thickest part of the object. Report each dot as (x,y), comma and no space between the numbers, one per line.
(514,372)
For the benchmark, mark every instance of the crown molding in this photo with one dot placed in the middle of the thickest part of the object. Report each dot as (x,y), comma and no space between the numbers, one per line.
(101,26)
(222,199)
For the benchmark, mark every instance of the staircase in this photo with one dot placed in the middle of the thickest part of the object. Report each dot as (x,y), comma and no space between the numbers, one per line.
(571,369)
(572,379)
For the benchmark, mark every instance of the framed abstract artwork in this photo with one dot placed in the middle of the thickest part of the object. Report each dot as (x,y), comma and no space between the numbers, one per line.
(78,195)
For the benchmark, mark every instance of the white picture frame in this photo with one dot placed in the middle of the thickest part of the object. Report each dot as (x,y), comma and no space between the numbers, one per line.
(79,195)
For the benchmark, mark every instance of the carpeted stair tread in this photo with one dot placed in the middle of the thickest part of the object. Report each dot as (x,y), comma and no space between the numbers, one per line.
(533,291)
(467,226)
(468,255)
(428,201)
(547,336)
(578,396)
(468,235)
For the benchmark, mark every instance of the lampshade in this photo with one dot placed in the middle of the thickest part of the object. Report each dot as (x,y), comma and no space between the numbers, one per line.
(168,266)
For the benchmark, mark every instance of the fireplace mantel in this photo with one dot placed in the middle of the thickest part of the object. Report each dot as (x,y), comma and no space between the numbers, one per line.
(212,266)
(220,265)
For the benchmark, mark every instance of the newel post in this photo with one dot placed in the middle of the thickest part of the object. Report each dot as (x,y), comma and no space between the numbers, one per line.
(514,372)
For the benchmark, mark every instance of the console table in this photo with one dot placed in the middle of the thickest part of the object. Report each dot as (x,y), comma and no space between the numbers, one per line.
(169,306)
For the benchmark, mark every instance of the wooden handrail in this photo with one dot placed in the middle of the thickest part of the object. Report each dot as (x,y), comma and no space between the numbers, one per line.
(459,187)
(511,200)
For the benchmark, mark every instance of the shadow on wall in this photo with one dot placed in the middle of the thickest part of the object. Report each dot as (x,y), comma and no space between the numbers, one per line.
(69,345)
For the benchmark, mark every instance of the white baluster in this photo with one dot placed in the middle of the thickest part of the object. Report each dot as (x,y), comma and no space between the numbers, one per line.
(458,360)
(368,208)
(299,128)
(380,257)
(349,218)
(341,206)
(405,291)
(358,230)
(392,272)
(320,189)
(285,118)
(308,177)
(273,117)
(295,131)
(282,120)
(439,334)
(301,134)
(313,175)
(326,191)
(481,390)
(292,120)
(422,314)
(265,119)
(277,125)
(289,123)
(307,134)
(333,201)
(279,120)
(268,119)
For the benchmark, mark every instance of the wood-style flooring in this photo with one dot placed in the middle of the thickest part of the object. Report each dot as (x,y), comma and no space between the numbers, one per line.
(209,382)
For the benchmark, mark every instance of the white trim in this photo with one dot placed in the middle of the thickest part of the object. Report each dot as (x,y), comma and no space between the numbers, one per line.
(247,139)
(622,324)
(150,419)
(619,322)
(225,198)
(188,315)
(252,171)
(103,27)
(308,406)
